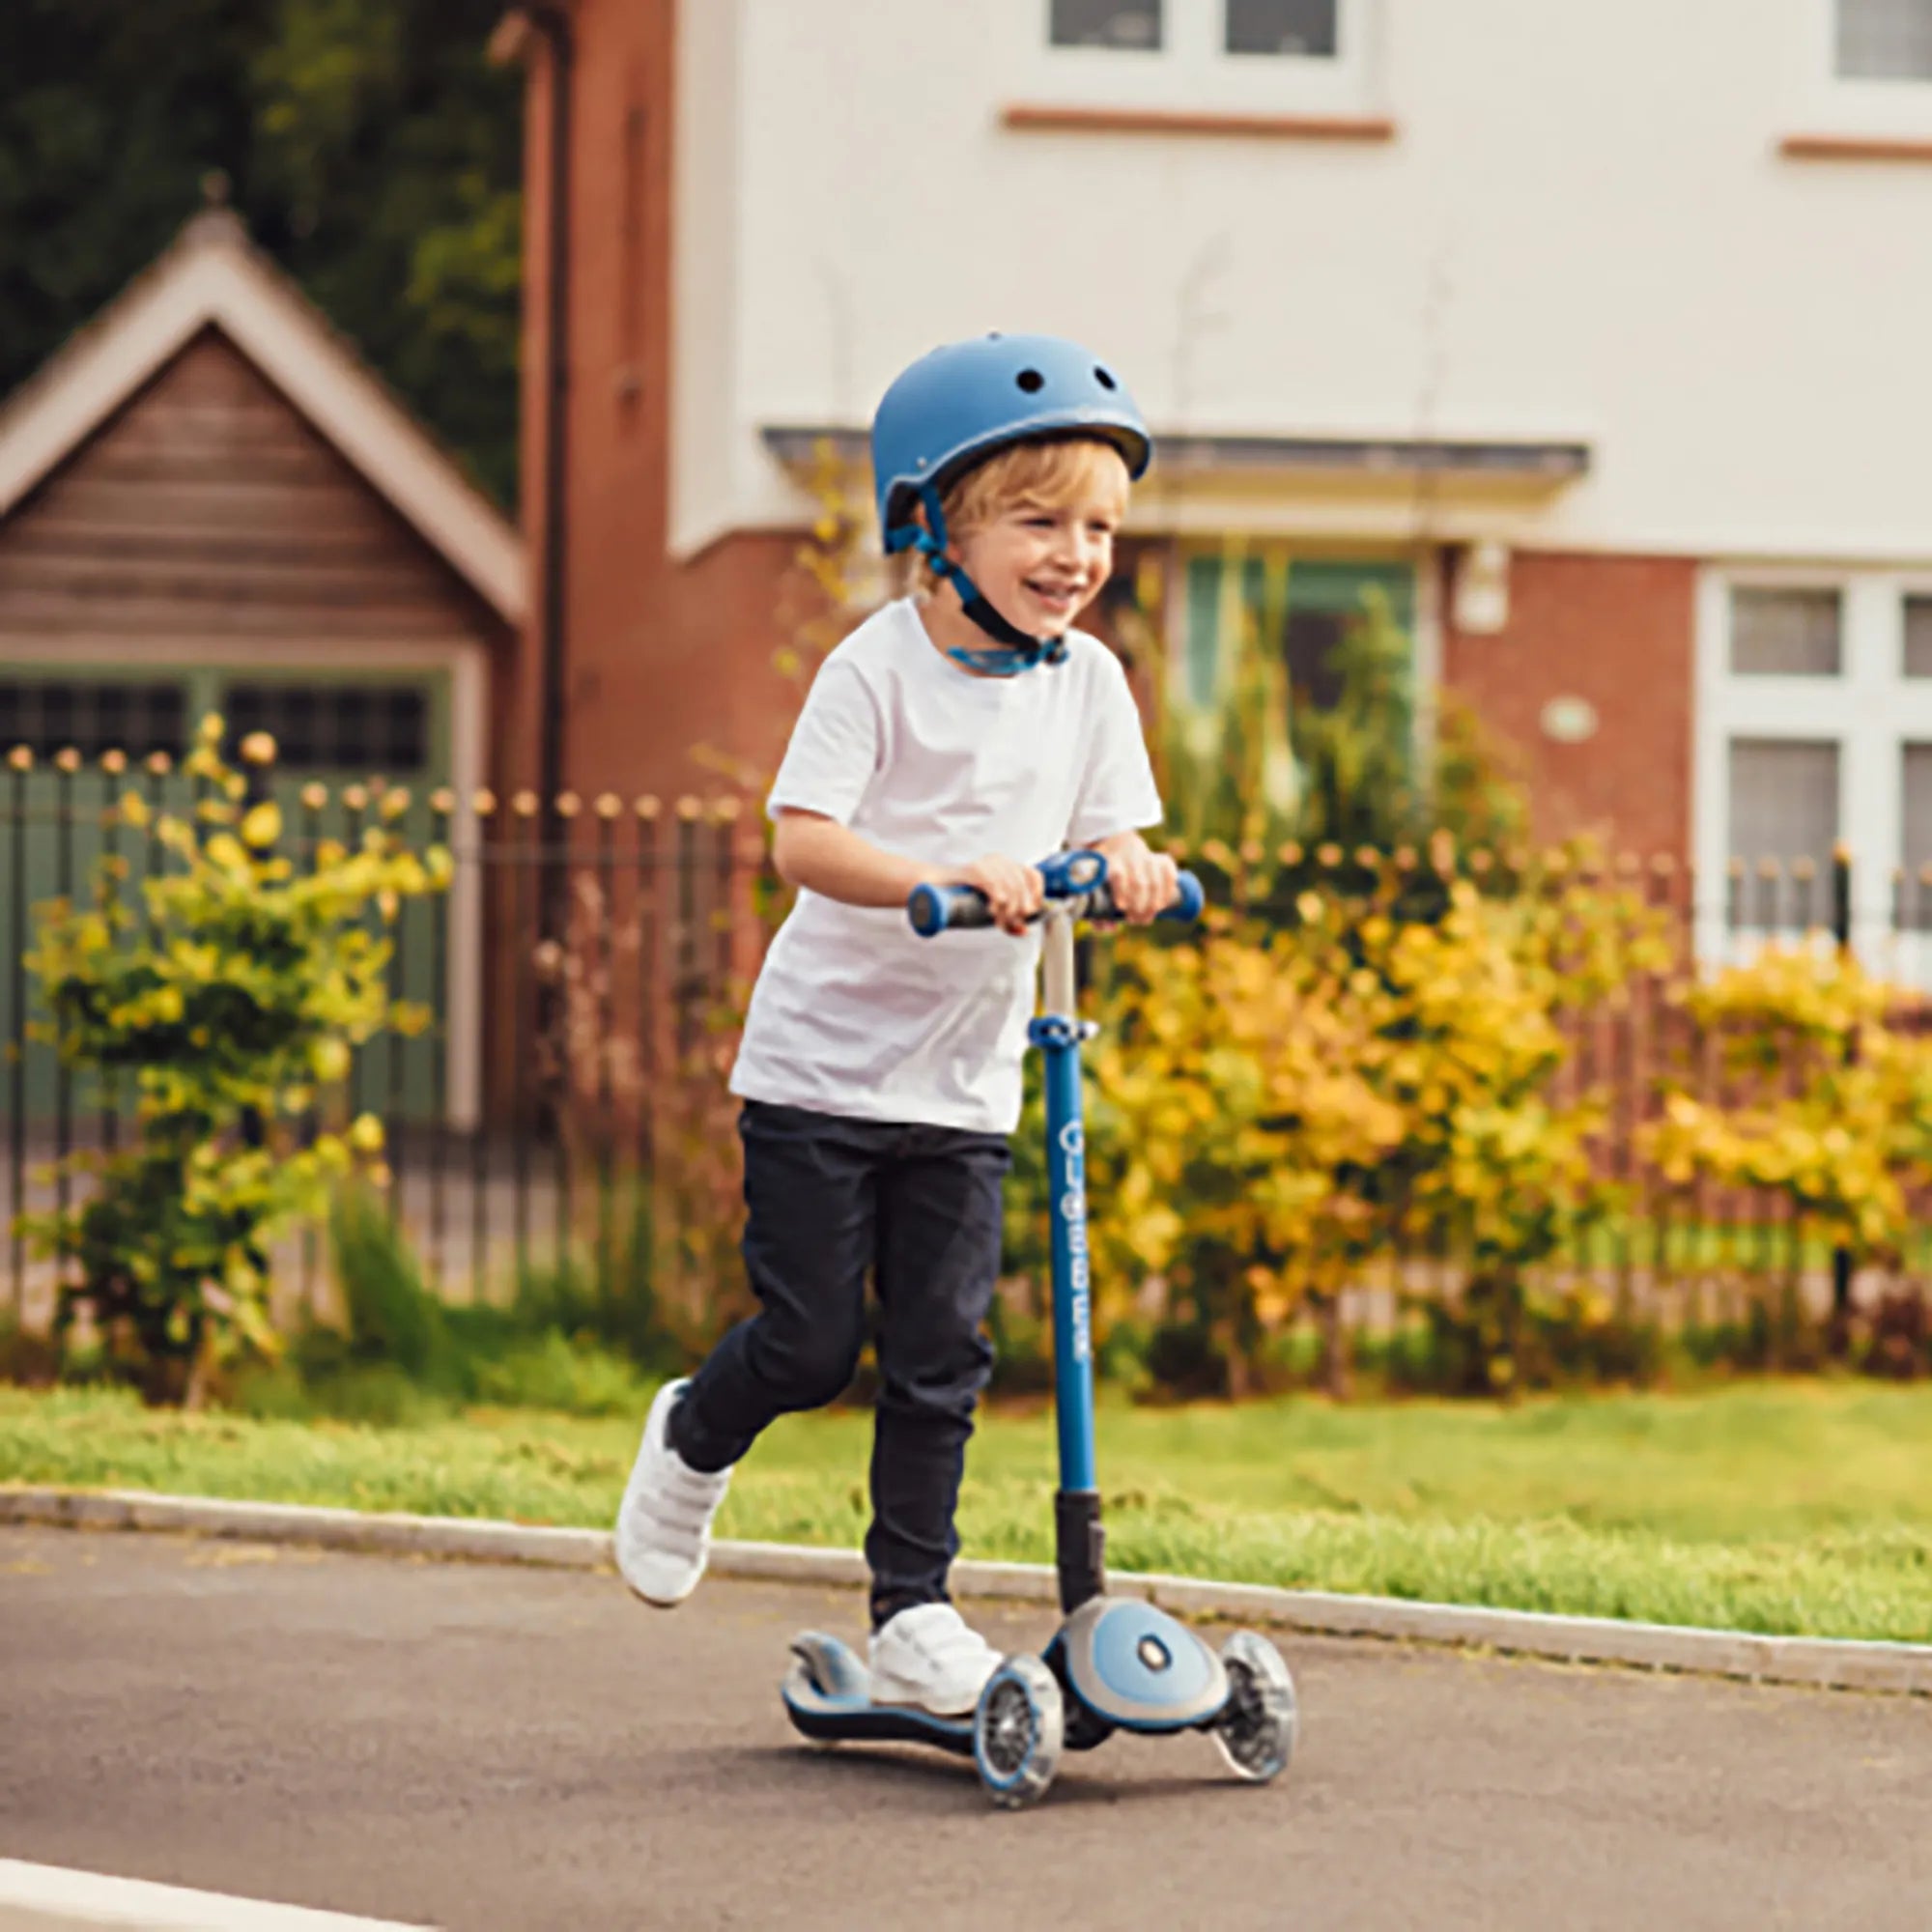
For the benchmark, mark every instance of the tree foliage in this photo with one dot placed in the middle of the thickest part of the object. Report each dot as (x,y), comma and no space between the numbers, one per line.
(372,148)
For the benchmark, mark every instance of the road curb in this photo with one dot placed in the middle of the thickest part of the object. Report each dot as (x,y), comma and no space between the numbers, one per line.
(1823,1662)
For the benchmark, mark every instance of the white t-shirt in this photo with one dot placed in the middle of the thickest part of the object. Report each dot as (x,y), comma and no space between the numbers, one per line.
(853,1012)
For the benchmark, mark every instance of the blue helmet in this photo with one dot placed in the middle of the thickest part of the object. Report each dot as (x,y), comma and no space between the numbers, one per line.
(961,404)
(965,401)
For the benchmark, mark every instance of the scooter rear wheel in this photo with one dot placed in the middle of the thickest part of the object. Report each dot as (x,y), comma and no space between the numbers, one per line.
(1017,1731)
(1256,1730)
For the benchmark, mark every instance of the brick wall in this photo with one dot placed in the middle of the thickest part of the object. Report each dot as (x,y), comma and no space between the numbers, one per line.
(663,655)
(1616,631)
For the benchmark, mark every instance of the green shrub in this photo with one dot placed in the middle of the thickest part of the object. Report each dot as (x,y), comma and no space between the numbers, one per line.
(405,1357)
(376,1394)
(27,1360)
(573,1377)
(392,1314)
(232,1002)
(1503,1338)
(606,1290)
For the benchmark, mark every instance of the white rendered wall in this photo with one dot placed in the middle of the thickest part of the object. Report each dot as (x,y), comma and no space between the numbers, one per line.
(1583,230)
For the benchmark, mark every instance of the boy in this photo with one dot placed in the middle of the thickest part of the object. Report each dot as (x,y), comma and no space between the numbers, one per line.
(880,1073)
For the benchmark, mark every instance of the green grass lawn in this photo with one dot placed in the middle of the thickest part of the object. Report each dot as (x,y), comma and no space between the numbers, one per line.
(1789,1507)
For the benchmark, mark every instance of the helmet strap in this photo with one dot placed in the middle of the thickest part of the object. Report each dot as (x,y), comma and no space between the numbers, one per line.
(1023,651)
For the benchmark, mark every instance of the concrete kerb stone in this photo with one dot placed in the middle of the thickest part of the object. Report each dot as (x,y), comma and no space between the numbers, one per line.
(302,1524)
(1822,1662)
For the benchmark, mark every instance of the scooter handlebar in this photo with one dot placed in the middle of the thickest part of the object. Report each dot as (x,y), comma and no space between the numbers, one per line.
(1083,888)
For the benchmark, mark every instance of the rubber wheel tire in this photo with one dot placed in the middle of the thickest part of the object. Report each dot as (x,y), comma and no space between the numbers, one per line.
(1017,1731)
(1256,1729)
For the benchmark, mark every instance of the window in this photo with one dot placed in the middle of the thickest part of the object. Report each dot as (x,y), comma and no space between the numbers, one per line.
(1885,39)
(1304,608)
(1784,824)
(1105,23)
(1278,58)
(1918,637)
(1784,800)
(1915,848)
(1786,633)
(1813,730)
(1303,27)
(52,716)
(337,727)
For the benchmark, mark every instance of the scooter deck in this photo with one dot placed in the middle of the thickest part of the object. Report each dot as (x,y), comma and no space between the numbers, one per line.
(828,1696)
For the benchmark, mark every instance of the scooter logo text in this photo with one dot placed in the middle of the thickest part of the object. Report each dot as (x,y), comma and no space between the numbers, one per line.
(1073,1220)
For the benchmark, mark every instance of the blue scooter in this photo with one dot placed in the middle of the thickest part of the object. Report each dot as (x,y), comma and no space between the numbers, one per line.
(1115,1662)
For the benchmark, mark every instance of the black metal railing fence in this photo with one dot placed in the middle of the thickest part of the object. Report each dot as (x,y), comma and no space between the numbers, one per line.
(564,1110)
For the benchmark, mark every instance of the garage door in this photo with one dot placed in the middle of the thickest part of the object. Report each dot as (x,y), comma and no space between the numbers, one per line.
(386,732)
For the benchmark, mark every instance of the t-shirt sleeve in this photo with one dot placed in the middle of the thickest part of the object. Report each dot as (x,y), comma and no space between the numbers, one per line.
(1116,789)
(835,748)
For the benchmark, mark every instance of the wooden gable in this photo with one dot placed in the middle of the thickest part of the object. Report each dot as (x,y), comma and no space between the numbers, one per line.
(208,506)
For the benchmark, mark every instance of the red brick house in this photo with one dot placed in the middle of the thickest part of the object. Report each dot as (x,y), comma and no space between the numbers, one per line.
(1404,298)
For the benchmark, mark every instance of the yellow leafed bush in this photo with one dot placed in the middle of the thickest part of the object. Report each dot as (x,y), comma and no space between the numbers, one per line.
(1278,1107)
(1832,1101)
(238,987)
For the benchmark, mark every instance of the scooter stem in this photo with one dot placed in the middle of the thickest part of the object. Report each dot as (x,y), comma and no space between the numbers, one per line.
(1079,1539)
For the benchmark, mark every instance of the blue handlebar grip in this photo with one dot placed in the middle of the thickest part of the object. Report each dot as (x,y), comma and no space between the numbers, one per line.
(1186,909)
(934,909)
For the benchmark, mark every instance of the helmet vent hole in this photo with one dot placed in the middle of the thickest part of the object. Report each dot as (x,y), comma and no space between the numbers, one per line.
(1105,380)
(1031,381)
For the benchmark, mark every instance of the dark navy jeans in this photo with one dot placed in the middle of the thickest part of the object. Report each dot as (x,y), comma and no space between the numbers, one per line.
(831,1202)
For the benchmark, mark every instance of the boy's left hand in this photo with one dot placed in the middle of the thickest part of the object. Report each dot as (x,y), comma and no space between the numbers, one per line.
(1144,884)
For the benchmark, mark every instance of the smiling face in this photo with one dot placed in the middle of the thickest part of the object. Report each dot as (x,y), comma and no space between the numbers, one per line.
(1034,528)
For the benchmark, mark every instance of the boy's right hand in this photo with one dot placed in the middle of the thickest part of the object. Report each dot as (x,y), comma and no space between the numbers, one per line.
(1013,892)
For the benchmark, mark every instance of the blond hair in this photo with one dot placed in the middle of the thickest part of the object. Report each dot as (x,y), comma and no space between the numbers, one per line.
(1045,473)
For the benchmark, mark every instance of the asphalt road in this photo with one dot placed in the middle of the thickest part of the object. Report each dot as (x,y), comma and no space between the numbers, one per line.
(496,1749)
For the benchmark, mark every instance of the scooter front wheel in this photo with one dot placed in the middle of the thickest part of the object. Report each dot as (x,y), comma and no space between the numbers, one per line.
(1017,1731)
(1257,1728)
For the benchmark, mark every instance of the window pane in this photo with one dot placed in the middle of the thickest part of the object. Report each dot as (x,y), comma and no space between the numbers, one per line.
(1885,39)
(1219,604)
(1325,603)
(1105,23)
(1918,637)
(1784,800)
(1915,837)
(1309,614)
(1915,841)
(1786,633)
(1307,27)
(56,715)
(337,727)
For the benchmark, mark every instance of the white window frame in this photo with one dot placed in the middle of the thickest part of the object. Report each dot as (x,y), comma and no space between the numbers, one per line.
(1901,108)
(1192,71)
(1871,710)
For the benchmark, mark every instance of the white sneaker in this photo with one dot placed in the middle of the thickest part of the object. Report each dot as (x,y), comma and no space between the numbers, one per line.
(932,1657)
(663,1537)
